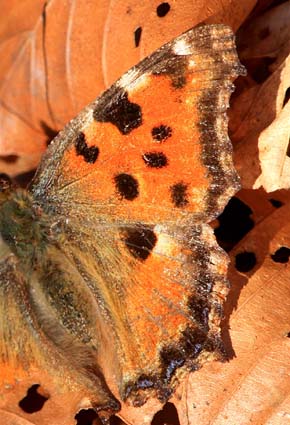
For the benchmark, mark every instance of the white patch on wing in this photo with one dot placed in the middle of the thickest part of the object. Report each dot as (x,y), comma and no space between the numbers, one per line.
(89,117)
(181,47)
(132,80)
(127,78)
(139,83)
(165,244)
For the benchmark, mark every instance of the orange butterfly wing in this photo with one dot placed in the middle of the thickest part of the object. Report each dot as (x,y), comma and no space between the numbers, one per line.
(128,283)
(153,150)
(154,147)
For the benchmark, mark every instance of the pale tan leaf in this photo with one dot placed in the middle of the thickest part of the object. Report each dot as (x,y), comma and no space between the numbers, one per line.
(261,125)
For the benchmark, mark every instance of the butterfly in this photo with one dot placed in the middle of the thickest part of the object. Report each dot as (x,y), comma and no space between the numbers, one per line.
(112,283)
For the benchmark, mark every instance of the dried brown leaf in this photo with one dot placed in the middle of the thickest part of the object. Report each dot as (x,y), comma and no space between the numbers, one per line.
(261,125)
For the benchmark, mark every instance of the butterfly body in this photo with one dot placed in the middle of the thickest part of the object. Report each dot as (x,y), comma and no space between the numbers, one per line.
(119,282)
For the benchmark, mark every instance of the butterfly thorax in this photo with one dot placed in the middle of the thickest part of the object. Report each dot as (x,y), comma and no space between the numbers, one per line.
(24,227)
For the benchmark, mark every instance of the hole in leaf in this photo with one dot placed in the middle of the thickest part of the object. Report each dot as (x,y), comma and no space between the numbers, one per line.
(288,149)
(34,400)
(288,335)
(167,416)
(163,9)
(114,420)
(281,255)
(137,36)
(234,223)
(287,96)
(276,203)
(9,159)
(49,132)
(245,261)
(87,417)
(259,68)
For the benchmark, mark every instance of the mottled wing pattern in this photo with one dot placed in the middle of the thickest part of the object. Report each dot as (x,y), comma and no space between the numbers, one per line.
(154,147)
(157,302)
(128,286)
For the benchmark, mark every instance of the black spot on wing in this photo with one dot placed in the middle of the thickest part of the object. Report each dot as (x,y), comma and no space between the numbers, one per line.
(126,186)
(140,241)
(179,194)
(125,115)
(90,154)
(155,159)
(161,133)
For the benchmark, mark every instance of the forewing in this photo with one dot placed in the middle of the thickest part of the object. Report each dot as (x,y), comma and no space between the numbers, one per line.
(154,147)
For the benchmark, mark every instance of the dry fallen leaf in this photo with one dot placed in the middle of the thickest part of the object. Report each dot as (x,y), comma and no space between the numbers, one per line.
(262,126)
